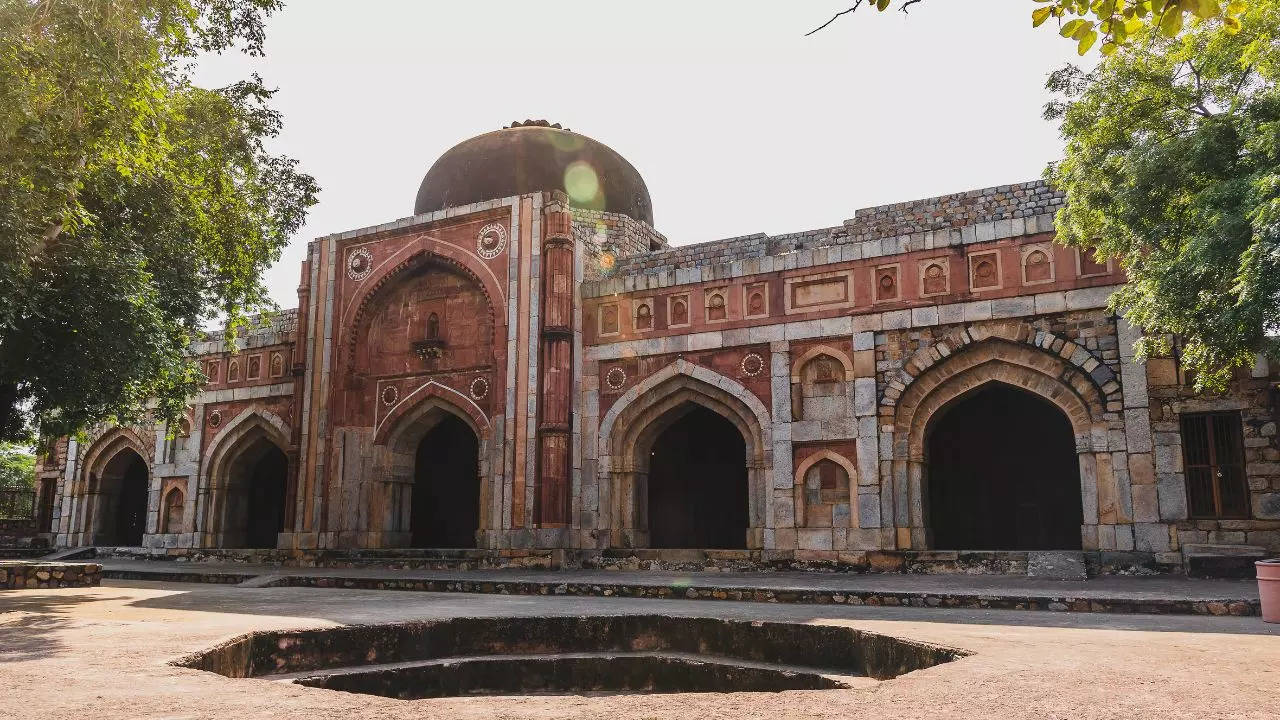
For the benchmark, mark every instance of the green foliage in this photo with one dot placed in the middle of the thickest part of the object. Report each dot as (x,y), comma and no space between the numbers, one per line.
(17,466)
(1115,22)
(134,206)
(1172,165)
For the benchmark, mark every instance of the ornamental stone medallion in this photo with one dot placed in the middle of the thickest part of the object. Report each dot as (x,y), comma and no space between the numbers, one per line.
(492,241)
(616,378)
(752,364)
(479,388)
(390,394)
(359,264)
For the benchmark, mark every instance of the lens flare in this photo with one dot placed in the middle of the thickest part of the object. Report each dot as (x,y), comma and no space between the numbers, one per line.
(581,183)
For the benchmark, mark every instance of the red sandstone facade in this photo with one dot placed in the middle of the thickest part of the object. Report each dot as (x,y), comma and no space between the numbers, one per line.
(536,371)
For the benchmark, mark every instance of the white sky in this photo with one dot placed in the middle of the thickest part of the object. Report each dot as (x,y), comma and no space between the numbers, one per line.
(737,122)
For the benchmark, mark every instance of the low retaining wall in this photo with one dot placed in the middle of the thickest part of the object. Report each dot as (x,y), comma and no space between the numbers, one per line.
(24,575)
(928,562)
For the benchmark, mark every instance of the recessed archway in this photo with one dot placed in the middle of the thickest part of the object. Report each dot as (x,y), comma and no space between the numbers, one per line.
(245,492)
(631,429)
(122,499)
(253,496)
(419,473)
(697,494)
(446,486)
(942,383)
(1003,473)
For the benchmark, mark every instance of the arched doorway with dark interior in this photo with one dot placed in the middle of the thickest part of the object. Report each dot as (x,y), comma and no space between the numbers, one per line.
(123,499)
(1003,473)
(445,509)
(697,494)
(254,496)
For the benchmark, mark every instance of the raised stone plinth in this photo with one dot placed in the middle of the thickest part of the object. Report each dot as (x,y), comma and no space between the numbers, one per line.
(31,575)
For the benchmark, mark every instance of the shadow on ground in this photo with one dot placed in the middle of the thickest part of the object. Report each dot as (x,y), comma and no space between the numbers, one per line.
(30,621)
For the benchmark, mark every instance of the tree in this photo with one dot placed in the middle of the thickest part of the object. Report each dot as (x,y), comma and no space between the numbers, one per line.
(1115,22)
(1172,165)
(17,466)
(134,205)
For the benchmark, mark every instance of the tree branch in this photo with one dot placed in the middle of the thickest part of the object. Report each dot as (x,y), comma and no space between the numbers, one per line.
(856,5)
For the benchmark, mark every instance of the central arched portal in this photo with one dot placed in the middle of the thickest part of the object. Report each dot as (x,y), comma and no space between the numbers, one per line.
(1003,473)
(446,486)
(698,484)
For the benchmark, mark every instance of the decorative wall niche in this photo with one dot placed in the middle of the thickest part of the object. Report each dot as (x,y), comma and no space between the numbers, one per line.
(277,365)
(254,365)
(1087,264)
(984,271)
(821,291)
(211,370)
(717,304)
(821,384)
(609,319)
(678,310)
(886,284)
(755,300)
(823,482)
(233,371)
(171,511)
(935,277)
(1037,264)
(642,314)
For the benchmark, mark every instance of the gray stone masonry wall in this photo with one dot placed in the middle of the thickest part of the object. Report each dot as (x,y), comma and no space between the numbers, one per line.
(621,236)
(959,218)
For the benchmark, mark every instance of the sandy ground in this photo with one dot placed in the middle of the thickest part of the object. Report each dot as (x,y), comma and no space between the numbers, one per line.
(103,653)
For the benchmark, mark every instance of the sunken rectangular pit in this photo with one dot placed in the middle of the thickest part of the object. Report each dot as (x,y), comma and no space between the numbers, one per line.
(587,654)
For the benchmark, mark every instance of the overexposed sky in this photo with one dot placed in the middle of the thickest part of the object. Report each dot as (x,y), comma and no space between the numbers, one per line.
(737,122)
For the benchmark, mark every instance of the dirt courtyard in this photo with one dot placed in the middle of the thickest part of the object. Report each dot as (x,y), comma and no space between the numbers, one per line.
(104,652)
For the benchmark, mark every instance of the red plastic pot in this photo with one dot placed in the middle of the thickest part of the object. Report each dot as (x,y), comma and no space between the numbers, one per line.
(1269,588)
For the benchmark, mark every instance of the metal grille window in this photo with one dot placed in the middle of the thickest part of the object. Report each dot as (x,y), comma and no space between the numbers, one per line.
(1213,451)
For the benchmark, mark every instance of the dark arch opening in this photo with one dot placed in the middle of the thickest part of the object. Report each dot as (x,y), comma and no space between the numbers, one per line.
(698,484)
(1003,474)
(255,496)
(446,487)
(124,495)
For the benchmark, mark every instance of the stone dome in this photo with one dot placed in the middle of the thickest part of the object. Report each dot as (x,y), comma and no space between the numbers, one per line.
(532,156)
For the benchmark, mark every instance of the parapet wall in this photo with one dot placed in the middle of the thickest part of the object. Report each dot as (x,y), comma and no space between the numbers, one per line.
(961,218)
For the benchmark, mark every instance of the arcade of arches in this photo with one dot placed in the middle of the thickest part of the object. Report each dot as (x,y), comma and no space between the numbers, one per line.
(526,375)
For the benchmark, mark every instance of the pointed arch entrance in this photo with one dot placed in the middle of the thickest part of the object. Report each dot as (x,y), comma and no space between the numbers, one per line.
(246,493)
(431,457)
(110,507)
(1003,473)
(684,457)
(697,494)
(964,450)
(122,499)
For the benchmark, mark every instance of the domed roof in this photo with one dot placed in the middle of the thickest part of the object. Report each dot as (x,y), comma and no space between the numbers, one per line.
(533,156)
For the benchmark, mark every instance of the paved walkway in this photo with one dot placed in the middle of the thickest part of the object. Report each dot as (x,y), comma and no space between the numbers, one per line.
(1160,595)
(76,653)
